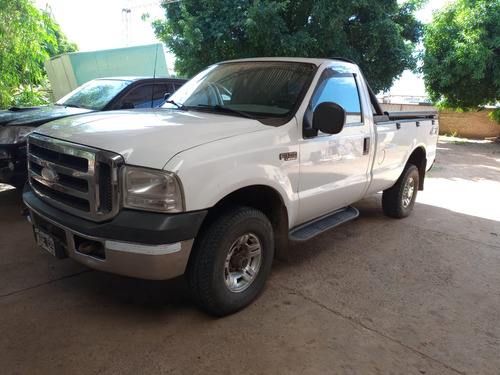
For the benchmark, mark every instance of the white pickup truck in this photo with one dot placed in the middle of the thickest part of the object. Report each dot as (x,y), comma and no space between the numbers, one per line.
(245,157)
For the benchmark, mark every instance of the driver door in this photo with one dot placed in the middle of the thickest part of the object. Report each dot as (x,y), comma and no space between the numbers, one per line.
(334,169)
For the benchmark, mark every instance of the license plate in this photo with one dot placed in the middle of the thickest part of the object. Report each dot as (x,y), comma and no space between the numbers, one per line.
(46,241)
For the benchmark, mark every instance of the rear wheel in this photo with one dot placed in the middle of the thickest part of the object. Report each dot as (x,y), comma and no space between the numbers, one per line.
(398,201)
(231,261)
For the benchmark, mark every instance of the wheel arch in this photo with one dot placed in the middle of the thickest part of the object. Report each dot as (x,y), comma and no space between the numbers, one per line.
(418,159)
(265,199)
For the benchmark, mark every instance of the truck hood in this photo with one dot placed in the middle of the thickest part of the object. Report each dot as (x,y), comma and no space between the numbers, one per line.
(149,137)
(36,116)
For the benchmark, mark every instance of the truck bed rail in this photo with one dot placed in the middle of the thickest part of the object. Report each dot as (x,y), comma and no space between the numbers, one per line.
(410,114)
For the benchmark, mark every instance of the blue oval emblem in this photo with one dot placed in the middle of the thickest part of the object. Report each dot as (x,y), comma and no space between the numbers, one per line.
(49,175)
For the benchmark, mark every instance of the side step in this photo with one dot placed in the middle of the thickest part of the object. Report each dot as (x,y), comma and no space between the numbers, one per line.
(318,226)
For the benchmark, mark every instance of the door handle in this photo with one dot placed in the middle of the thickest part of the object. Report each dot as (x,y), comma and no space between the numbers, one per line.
(366,146)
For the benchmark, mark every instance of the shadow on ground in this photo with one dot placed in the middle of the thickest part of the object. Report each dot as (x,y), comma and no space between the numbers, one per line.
(376,295)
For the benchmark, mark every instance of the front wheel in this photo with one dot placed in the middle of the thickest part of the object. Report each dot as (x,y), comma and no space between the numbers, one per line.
(231,261)
(398,201)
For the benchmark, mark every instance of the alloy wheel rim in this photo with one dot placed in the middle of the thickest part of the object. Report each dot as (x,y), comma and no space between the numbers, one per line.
(242,263)
(408,192)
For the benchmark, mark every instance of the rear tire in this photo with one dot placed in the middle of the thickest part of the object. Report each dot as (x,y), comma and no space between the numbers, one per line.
(231,261)
(398,201)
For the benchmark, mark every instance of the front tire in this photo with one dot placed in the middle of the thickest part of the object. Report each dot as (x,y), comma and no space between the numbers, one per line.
(231,261)
(398,201)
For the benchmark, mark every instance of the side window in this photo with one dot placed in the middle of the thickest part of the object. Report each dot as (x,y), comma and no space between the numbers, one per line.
(172,87)
(339,88)
(141,97)
(158,95)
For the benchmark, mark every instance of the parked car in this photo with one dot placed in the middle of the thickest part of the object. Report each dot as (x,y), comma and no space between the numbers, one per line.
(102,94)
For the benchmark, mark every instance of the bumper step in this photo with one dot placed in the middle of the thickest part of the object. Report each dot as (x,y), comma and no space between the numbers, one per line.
(318,226)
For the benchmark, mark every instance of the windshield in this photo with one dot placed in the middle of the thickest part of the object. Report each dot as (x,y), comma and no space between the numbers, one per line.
(94,94)
(257,88)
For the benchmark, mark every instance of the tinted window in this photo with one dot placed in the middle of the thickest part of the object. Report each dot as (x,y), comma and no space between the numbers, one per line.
(141,97)
(339,88)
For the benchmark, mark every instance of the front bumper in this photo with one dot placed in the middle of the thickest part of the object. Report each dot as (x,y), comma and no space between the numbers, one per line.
(140,244)
(13,169)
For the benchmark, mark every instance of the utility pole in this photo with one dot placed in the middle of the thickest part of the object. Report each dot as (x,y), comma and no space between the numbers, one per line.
(126,32)
(130,9)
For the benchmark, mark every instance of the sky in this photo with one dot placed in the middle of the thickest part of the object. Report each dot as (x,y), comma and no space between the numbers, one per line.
(101,24)
(409,83)
(98,24)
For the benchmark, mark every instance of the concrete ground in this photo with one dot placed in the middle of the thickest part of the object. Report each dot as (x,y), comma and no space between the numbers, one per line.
(375,296)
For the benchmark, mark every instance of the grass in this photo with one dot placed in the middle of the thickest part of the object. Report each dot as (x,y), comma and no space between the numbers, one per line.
(453,138)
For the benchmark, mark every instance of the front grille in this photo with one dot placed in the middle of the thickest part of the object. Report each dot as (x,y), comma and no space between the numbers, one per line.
(69,200)
(75,178)
(78,163)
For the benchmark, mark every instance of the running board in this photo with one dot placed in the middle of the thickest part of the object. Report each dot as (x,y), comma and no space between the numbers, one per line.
(318,226)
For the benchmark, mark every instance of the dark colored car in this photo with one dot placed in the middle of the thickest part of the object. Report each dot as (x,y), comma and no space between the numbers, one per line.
(101,94)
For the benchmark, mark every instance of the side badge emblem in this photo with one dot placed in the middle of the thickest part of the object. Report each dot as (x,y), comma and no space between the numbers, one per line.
(287,156)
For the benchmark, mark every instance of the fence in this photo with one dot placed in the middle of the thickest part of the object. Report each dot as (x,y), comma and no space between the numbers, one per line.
(474,124)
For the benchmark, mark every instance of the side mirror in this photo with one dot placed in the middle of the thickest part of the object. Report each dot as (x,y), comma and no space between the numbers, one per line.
(329,118)
(166,96)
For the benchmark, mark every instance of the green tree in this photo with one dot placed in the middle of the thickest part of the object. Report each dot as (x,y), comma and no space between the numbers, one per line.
(57,43)
(28,37)
(379,35)
(461,65)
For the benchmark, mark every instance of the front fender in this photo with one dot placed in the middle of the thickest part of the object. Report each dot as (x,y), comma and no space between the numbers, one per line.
(213,171)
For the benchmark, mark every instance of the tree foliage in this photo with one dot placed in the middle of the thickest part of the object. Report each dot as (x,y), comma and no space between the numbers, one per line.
(461,65)
(379,35)
(28,37)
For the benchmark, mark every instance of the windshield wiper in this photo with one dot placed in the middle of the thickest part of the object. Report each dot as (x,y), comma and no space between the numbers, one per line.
(220,108)
(72,105)
(180,106)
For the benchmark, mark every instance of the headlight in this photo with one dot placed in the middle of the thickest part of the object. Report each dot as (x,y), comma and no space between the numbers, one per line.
(151,190)
(14,134)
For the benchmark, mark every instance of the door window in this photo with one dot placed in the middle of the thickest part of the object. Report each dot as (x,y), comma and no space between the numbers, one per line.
(141,97)
(339,88)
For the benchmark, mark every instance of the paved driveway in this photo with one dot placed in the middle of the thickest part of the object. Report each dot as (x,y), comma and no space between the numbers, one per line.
(375,296)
